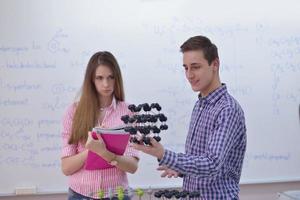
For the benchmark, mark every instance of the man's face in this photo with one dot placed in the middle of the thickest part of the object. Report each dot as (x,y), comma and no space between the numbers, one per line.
(198,72)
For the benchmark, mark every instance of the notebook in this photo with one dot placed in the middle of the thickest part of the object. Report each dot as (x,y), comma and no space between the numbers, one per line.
(116,140)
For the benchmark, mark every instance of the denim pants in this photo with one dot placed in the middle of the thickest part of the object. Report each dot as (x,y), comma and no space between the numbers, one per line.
(72,195)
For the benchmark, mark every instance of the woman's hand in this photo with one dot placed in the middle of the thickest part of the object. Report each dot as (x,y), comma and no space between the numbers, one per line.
(95,145)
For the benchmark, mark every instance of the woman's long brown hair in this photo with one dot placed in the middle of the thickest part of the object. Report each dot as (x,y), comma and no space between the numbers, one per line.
(87,109)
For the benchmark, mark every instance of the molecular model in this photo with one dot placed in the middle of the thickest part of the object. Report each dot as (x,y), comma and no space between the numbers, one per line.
(120,193)
(147,121)
(171,194)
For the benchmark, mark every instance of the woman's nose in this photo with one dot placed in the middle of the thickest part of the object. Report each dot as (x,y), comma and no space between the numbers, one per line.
(105,82)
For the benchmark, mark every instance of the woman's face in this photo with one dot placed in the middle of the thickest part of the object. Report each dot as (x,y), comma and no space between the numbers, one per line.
(104,81)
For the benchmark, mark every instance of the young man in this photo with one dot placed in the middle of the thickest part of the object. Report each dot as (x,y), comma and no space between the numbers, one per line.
(216,141)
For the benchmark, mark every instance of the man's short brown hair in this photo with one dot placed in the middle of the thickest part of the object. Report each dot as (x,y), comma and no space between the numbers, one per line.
(210,50)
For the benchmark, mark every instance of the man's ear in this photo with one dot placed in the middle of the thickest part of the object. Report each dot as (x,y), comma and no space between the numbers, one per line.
(216,64)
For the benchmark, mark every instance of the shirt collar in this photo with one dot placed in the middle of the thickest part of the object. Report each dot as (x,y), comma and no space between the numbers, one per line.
(113,104)
(214,95)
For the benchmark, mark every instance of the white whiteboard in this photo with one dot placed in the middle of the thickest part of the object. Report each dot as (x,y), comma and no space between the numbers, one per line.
(45,46)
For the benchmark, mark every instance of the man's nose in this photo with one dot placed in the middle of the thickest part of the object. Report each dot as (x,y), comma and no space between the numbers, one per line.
(189,74)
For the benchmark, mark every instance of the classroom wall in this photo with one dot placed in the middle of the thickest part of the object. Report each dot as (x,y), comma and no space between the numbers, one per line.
(266,191)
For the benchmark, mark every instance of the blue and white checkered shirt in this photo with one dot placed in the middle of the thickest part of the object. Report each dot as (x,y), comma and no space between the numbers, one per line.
(214,148)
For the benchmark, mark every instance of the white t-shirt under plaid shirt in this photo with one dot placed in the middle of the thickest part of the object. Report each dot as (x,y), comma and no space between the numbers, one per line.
(89,182)
(214,149)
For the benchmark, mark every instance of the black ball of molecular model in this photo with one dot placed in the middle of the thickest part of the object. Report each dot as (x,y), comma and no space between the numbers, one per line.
(168,194)
(147,121)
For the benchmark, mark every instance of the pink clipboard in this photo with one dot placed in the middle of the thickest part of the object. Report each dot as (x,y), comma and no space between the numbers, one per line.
(115,142)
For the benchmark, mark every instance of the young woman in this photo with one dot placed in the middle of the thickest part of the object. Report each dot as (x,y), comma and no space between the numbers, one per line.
(101,104)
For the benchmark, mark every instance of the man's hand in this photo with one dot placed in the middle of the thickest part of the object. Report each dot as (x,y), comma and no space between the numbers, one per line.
(167,172)
(95,145)
(155,149)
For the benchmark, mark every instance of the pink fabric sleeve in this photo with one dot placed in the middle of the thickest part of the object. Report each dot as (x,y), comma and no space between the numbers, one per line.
(130,151)
(67,149)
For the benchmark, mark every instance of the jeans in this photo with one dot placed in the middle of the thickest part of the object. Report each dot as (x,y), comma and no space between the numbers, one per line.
(72,195)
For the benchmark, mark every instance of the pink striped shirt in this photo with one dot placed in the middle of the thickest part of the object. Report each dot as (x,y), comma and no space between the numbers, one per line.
(89,182)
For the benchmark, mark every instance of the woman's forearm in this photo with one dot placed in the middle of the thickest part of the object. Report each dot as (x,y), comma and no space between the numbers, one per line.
(71,164)
(125,163)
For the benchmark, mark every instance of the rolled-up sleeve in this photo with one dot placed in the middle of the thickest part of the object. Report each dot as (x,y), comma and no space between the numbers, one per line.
(130,151)
(67,149)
